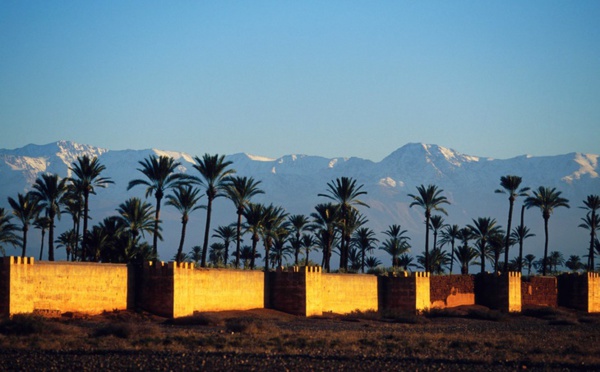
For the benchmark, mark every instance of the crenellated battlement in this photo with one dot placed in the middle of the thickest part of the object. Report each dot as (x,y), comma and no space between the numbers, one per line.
(421,274)
(514,274)
(17,260)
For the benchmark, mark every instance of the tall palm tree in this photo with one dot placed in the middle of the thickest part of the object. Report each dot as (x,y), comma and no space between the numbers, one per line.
(437,223)
(42,223)
(324,222)
(345,192)
(449,236)
(185,199)
(280,250)
(240,191)
(273,222)
(8,231)
(465,255)
(88,171)
(510,185)
(66,239)
(73,205)
(592,204)
(226,234)
(49,190)
(430,199)
(254,215)
(546,199)
(520,233)
(26,209)
(307,241)
(590,223)
(364,239)
(529,260)
(160,176)
(136,216)
(298,224)
(214,173)
(396,244)
(482,229)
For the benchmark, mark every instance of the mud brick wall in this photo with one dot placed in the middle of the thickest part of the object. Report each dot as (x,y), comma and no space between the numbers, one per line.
(580,291)
(297,290)
(452,290)
(539,291)
(404,293)
(502,292)
(156,289)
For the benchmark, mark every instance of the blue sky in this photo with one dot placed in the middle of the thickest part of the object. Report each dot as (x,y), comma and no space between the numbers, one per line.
(331,78)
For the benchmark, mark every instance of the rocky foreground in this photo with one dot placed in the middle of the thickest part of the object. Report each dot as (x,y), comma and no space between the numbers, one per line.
(461,339)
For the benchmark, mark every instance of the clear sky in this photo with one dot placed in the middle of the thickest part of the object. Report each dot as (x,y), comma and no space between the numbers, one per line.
(331,78)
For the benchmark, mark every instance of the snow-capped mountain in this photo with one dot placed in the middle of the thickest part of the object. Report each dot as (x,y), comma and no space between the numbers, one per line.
(294,182)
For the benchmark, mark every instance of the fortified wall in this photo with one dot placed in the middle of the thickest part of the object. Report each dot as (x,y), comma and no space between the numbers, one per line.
(176,290)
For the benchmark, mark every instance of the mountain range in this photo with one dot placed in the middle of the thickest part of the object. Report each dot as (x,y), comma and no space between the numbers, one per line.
(294,182)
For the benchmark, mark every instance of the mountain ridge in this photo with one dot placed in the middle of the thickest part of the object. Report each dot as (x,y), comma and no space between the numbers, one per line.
(295,180)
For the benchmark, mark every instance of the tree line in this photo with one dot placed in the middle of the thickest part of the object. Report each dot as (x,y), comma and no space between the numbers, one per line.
(334,226)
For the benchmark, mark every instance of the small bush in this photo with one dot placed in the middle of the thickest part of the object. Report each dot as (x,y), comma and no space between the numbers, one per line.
(120,330)
(25,324)
(247,325)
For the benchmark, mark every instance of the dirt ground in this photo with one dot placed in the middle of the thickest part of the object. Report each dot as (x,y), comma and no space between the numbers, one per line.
(471,338)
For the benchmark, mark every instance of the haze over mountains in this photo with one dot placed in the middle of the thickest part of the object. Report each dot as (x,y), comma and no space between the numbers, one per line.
(293,181)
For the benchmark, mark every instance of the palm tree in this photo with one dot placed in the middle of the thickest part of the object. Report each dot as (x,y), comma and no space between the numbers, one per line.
(529,260)
(87,172)
(160,176)
(483,229)
(372,262)
(240,190)
(254,215)
(298,224)
(227,234)
(185,199)
(520,233)
(98,242)
(510,185)
(73,205)
(196,254)
(42,223)
(217,252)
(8,231)
(345,193)
(396,244)
(449,236)
(437,261)
(354,257)
(213,175)
(66,239)
(437,223)
(465,255)
(574,263)
(592,204)
(364,239)
(49,190)
(546,199)
(307,242)
(430,199)
(325,219)
(555,259)
(496,245)
(136,216)
(590,223)
(405,261)
(26,209)
(279,250)
(273,222)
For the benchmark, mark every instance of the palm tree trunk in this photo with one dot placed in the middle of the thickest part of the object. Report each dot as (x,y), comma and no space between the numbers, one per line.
(507,245)
(155,237)
(85,226)
(254,243)
(206,232)
(426,242)
(545,246)
(267,249)
(592,238)
(226,254)
(297,247)
(483,257)
(238,238)
(452,257)
(181,240)
(24,241)
(42,245)
(51,239)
